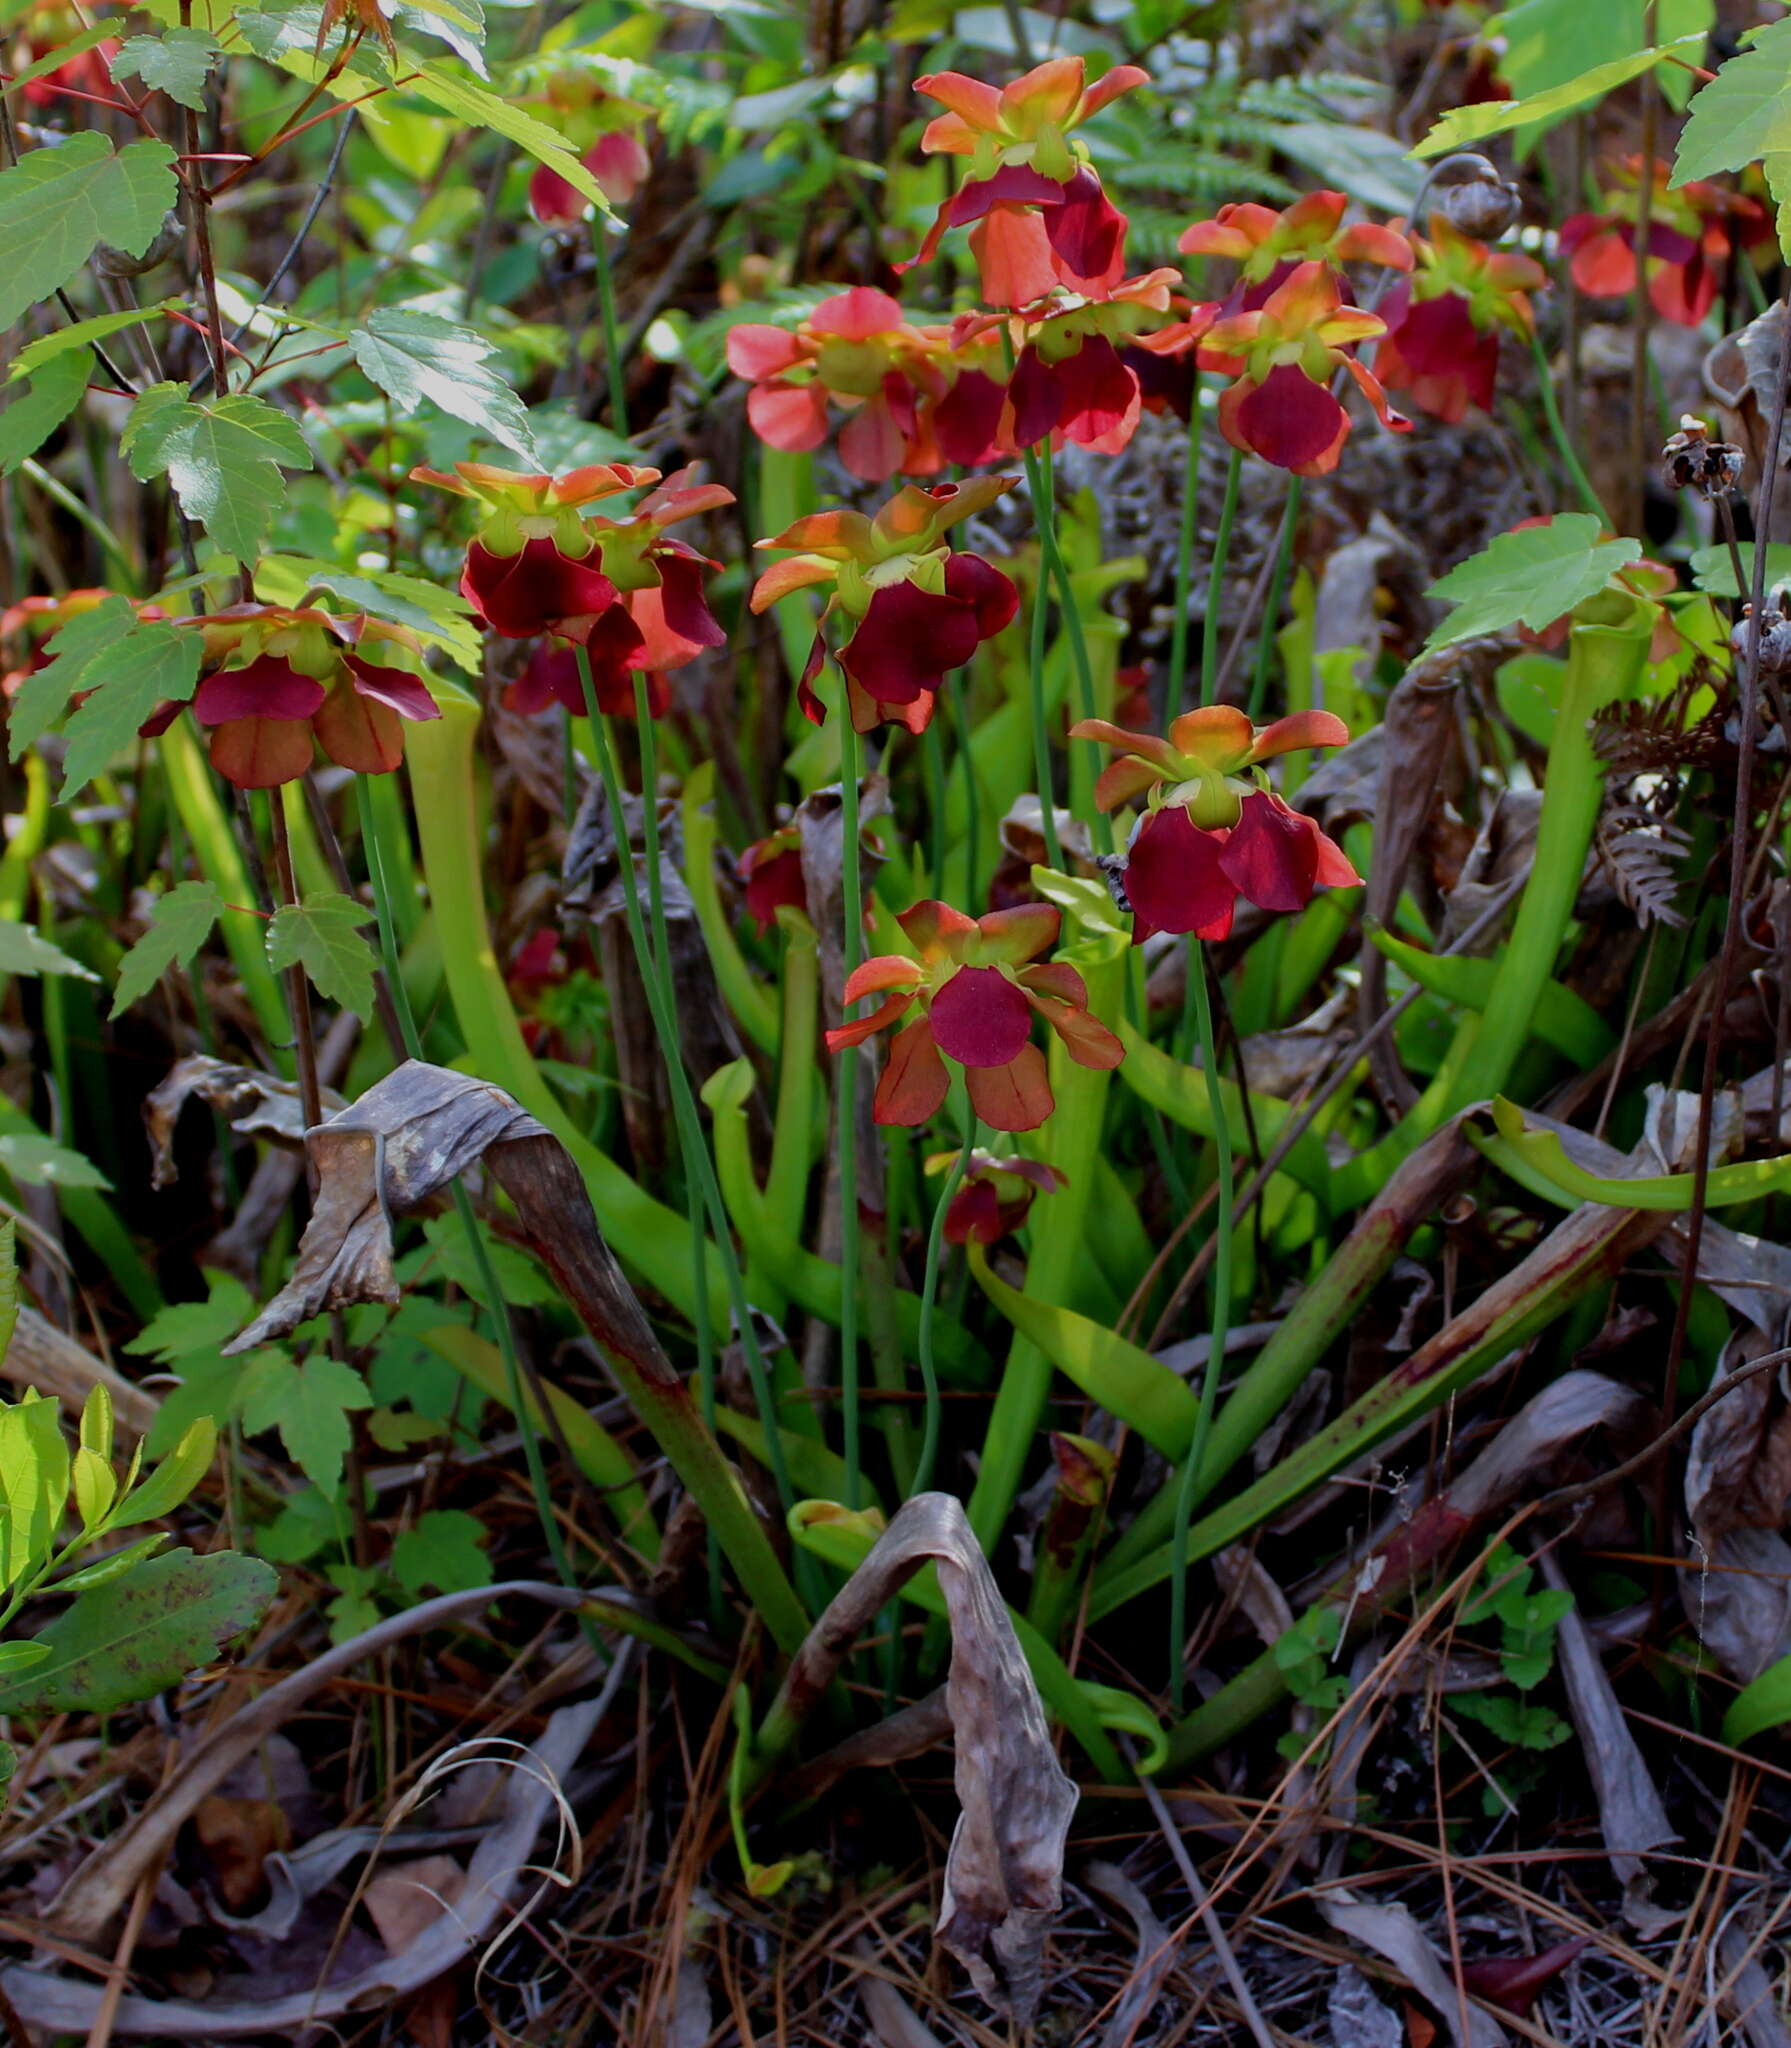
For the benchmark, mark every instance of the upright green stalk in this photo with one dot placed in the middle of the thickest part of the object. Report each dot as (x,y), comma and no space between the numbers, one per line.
(1265,639)
(665,1021)
(1545,384)
(1209,626)
(1184,562)
(1041,738)
(1187,1482)
(929,1299)
(612,339)
(846,1117)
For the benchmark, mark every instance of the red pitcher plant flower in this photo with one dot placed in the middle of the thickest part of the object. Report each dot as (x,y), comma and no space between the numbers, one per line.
(1442,339)
(995,1195)
(1282,357)
(919,607)
(1213,831)
(616,587)
(606,130)
(1038,213)
(856,351)
(1266,244)
(274,680)
(1070,376)
(771,876)
(977,994)
(1692,230)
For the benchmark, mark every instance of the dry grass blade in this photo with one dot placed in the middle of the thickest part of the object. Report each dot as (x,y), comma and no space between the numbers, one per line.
(1392,1933)
(1004,1875)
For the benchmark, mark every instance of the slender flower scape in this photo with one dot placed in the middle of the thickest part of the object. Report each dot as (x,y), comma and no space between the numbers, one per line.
(977,995)
(274,680)
(995,1195)
(616,587)
(1037,213)
(1691,231)
(1282,357)
(1266,245)
(1214,832)
(920,609)
(1442,340)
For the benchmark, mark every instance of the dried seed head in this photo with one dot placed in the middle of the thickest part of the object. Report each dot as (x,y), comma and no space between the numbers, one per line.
(1692,461)
(1469,193)
(1775,634)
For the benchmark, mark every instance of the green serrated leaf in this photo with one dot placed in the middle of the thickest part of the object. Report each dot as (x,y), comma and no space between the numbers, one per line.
(177,62)
(223,457)
(58,204)
(82,334)
(1530,578)
(324,936)
(443,1550)
(419,357)
(1713,570)
(153,664)
(73,651)
(41,1162)
(482,109)
(142,1632)
(23,952)
(179,925)
(1465,127)
(1743,113)
(49,399)
(196,1329)
(309,1405)
(436,612)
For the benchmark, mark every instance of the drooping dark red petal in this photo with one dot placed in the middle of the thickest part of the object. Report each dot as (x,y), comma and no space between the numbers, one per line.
(1016,1097)
(1163,381)
(1036,392)
(1513,1982)
(359,732)
(1271,855)
(397,688)
(268,688)
(1173,877)
(1098,390)
(1012,185)
(915,1081)
(982,586)
(1085,228)
(1288,419)
(974,1214)
(552,200)
(980,1018)
(812,707)
(261,753)
(1434,351)
(536,590)
(908,641)
(613,646)
(684,601)
(550,677)
(966,419)
(769,883)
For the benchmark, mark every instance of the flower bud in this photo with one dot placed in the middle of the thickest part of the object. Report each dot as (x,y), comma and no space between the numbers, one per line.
(1775,635)
(1692,461)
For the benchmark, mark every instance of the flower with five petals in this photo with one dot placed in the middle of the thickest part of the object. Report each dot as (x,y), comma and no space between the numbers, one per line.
(1442,339)
(1213,829)
(919,607)
(1282,357)
(994,1196)
(1264,243)
(977,994)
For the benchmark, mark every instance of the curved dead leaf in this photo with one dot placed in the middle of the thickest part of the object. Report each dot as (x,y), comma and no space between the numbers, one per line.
(1004,1875)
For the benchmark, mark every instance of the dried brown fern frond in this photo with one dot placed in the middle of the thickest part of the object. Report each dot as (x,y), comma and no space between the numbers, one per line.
(1645,851)
(1659,735)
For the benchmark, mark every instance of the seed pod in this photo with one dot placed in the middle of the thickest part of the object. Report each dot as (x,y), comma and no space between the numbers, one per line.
(1470,195)
(1692,461)
(1775,635)
(110,262)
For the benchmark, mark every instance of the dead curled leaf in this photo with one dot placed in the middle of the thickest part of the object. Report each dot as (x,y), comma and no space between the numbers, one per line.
(1004,1874)
(253,1103)
(1394,1935)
